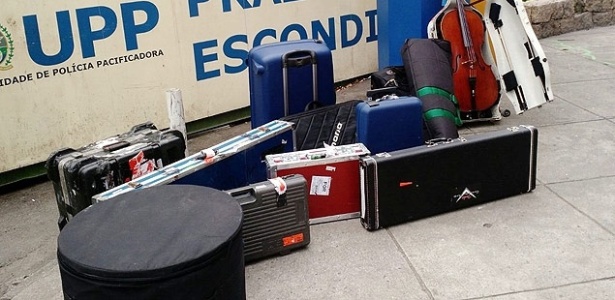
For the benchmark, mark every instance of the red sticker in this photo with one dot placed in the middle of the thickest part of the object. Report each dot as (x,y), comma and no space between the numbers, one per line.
(293,239)
(140,166)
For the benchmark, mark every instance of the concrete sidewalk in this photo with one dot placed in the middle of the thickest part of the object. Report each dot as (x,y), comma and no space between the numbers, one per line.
(557,242)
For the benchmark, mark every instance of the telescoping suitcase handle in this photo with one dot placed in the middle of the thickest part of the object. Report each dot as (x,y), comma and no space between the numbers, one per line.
(295,59)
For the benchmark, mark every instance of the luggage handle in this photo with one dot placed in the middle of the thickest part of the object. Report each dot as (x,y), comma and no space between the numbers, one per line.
(116,146)
(147,129)
(295,59)
(438,140)
(380,91)
(443,140)
(299,58)
(248,196)
(142,126)
(244,196)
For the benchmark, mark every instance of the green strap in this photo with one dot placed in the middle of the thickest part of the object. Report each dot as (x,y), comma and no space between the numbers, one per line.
(438,112)
(427,90)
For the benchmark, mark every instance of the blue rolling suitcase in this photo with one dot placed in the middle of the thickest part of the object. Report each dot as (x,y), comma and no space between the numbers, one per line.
(289,77)
(390,124)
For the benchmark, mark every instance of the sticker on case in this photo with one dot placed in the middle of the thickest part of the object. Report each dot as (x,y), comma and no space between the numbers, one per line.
(279,185)
(321,185)
(139,165)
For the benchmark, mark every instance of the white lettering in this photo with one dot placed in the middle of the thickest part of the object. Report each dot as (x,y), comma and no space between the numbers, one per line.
(336,134)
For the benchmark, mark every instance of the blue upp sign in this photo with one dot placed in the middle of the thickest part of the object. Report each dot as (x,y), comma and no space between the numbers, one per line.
(87,36)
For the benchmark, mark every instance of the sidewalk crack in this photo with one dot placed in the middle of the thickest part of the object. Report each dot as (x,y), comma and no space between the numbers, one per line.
(579,210)
(411,266)
(542,289)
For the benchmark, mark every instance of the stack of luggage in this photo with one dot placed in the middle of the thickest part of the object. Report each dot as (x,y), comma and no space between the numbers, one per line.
(393,157)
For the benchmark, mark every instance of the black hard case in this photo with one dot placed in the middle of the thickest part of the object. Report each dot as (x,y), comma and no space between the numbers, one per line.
(78,174)
(392,77)
(418,182)
(274,223)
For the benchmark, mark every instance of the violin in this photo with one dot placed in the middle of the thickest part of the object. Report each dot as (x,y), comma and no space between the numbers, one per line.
(475,85)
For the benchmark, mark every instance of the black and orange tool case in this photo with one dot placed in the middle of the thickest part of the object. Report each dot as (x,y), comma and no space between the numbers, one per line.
(275,216)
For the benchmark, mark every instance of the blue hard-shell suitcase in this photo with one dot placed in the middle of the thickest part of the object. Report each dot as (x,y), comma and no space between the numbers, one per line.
(390,124)
(289,77)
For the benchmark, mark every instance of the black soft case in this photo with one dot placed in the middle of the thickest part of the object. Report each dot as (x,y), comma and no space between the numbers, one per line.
(164,242)
(427,63)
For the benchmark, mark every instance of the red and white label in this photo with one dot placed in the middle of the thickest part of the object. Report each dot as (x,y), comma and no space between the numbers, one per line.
(140,166)
(279,185)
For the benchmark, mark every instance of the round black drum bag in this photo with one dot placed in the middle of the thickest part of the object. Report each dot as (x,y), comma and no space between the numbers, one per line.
(166,242)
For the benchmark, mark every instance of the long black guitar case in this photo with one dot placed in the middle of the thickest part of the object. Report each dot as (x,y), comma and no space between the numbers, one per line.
(423,181)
